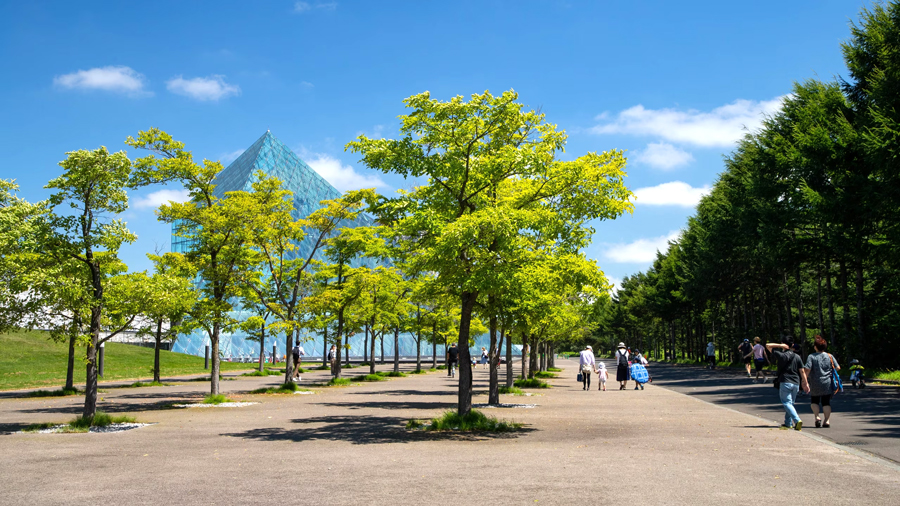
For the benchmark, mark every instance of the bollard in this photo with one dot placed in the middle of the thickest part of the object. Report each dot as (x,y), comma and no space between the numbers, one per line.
(274,353)
(100,359)
(206,360)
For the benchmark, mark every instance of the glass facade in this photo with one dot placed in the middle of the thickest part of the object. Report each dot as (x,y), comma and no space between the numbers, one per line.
(273,158)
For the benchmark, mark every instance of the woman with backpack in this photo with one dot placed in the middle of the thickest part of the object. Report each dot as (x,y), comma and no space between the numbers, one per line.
(819,370)
(622,374)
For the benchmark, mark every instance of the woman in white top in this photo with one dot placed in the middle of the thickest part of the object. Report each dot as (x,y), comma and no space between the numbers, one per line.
(587,363)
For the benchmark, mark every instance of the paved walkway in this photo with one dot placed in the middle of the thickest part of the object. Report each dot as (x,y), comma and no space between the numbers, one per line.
(868,419)
(348,446)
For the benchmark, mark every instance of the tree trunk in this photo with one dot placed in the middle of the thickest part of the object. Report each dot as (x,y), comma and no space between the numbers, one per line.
(533,357)
(509,364)
(325,346)
(551,357)
(829,291)
(801,320)
(464,397)
(524,355)
(434,345)
(214,374)
(494,361)
(860,330)
(382,347)
(396,349)
(90,387)
(418,349)
(156,351)
(347,351)
(845,296)
(340,343)
(366,344)
(787,304)
(372,349)
(262,348)
(288,358)
(70,364)
(820,314)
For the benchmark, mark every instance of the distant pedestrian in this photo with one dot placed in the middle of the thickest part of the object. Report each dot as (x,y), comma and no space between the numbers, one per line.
(760,359)
(710,355)
(484,358)
(622,374)
(452,360)
(588,364)
(819,367)
(638,370)
(745,350)
(790,379)
(602,376)
(332,359)
(297,353)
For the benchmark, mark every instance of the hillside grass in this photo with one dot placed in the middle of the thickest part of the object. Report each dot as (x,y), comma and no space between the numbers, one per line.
(32,360)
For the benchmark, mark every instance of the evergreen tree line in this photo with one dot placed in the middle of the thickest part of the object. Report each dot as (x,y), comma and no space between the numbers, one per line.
(800,233)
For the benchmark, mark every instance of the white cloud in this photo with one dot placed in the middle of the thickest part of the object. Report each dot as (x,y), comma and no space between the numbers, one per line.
(301,7)
(307,84)
(641,250)
(118,79)
(227,158)
(721,127)
(212,88)
(344,177)
(160,197)
(616,284)
(675,193)
(663,156)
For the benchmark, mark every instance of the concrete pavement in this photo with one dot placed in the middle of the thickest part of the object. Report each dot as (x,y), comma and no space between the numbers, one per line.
(349,446)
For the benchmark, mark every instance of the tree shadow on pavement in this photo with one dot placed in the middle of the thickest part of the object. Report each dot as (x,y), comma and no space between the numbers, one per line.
(362,430)
(391,405)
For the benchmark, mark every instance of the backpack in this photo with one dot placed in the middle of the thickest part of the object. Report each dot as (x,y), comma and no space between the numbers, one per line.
(623,359)
(746,349)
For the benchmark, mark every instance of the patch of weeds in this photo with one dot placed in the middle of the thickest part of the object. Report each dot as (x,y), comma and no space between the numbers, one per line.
(62,392)
(531,383)
(40,426)
(418,371)
(365,364)
(370,377)
(441,367)
(511,391)
(432,369)
(207,378)
(100,419)
(138,384)
(474,421)
(264,372)
(322,368)
(339,382)
(396,374)
(215,399)
(287,388)
(544,374)
(554,369)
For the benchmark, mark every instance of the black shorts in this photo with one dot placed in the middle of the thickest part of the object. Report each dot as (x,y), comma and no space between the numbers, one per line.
(296,359)
(747,360)
(759,363)
(825,400)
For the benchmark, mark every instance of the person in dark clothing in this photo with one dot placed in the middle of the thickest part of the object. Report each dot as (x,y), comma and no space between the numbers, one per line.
(791,377)
(452,359)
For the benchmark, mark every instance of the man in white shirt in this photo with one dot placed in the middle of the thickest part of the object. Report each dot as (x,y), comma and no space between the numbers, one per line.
(588,364)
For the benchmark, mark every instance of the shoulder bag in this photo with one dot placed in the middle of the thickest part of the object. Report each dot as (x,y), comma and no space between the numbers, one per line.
(836,384)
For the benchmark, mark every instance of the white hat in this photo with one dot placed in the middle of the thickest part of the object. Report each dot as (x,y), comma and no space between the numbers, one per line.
(621,345)
(588,347)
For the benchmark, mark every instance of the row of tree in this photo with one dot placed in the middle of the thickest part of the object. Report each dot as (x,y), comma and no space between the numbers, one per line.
(800,235)
(490,242)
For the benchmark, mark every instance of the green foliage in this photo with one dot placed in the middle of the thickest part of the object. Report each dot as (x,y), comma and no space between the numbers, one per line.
(392,374)
(341,382)
(473,421)
(370,377)
(138,384)
(530,383)
(266,372)
(287,388)
(100,419)
(545,374)
(215,399)
(554,369)
(421,371)
(40,426)
(511,390)
(62,392)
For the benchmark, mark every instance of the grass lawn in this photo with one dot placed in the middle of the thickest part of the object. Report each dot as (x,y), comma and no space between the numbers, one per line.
(32,360)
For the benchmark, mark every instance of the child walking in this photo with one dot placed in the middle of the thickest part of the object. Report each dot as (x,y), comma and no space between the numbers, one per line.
(602,375)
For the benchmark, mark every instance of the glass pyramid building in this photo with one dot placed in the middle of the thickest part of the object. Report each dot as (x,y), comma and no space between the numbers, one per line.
(273,158)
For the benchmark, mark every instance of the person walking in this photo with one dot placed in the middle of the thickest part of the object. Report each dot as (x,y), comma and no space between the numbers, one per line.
(588,365)
(745,350)
(622,374)
(638,369)
(790,379)
(819,367)
(602,376)
(332,358)
(710,355)
(484,358)
(760,359)
(298,353)
(452,360)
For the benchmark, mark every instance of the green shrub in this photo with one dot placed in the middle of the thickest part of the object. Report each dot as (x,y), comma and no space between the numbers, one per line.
(337,382)
(531,383)
(511,391)
(554,369)
(265,372)
(471,422)
(433,369)
(215,399)
(545,374)
(100,419)
(370,377)
(392,374)
(322,368)
(418,371)
(62,392)
(40,426)
(138,384)
(287,388)
(441,367)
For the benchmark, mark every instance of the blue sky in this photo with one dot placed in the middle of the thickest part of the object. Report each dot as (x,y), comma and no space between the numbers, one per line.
(673,83)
